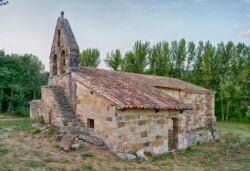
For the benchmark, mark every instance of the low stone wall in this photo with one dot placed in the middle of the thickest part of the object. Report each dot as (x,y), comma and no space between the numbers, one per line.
(200,136)
(35,109)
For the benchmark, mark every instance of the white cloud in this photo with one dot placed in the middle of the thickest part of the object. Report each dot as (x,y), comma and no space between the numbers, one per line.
(235,25)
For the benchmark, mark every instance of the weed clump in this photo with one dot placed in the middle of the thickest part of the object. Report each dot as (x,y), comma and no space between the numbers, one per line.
(3,151)
(34,130)
(87,155)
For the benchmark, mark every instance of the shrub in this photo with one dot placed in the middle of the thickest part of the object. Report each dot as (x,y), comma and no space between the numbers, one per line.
(148,154)
(34,130)
(22,111)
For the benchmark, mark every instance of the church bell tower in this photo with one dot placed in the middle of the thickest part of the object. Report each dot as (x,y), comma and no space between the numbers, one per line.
(64,55)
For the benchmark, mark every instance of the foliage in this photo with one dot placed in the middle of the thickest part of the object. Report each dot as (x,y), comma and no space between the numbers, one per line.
(224,68)
(87,155)
(136,60)
(34,130)
(90,57)
(114,59)
(3,151)
(21,77)
(87,167)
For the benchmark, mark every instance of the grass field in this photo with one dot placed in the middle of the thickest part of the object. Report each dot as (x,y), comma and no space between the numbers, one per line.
(22,150)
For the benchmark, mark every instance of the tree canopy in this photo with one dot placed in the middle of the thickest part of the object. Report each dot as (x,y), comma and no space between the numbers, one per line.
(90,57)
(21,78)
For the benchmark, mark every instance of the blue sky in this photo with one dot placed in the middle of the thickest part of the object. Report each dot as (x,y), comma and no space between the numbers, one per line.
(27,26)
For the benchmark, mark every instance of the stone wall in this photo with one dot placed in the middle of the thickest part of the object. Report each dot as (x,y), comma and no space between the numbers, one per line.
(142,130)
(68,84)
(92,106)
(133,130)
(202,114)
(200,136)
(50,110)
(35,109)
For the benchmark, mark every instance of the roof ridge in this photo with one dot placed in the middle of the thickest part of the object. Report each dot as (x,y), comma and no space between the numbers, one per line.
(192,86)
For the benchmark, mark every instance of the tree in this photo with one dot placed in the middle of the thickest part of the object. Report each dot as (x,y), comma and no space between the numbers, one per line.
(90,57)
(114,59)
(159,59)
(136,60)
(21,77)
(129,62)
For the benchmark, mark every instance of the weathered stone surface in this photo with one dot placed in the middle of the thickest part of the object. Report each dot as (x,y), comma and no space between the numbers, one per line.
(215,135)
(199,136)
(141,155)
(75,146)
(67,141)
(58,137)
(91,139)
(35,109)
(126,156)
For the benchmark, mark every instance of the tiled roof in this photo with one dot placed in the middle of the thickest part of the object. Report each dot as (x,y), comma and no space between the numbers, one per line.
(129,90)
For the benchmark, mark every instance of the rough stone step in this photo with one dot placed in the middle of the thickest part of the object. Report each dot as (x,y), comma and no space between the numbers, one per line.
(91,139)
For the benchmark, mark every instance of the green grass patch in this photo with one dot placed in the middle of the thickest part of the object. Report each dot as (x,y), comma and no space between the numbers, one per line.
(34,130)
(34,164)
(189,151)
(87,167)
(3,151)
(52,130)
(87,155)
(234,128)
(48,160)
(148,154)
(19,124)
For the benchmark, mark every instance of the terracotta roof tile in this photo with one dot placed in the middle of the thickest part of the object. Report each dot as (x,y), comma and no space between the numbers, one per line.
(129,90)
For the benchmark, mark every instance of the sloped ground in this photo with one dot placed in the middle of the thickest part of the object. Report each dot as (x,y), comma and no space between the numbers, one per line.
(22,150)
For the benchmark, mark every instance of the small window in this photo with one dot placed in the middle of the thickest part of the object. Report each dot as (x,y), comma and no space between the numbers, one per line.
(91,123)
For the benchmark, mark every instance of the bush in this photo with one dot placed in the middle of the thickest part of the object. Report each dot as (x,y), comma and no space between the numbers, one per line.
(22,111)
(34,130)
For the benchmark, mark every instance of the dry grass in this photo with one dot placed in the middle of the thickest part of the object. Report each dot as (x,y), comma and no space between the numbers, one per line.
(21,150)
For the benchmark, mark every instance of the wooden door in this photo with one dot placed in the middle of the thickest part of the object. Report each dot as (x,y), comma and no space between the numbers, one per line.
(173,136)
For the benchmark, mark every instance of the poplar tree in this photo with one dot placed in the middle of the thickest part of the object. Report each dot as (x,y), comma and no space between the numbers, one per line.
(90,57)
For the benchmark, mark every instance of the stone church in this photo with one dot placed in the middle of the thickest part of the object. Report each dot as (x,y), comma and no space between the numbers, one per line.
(128,113)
